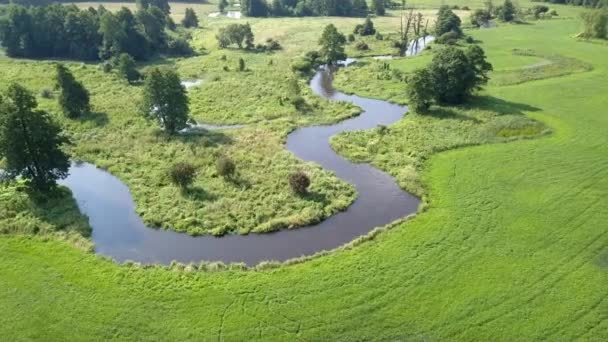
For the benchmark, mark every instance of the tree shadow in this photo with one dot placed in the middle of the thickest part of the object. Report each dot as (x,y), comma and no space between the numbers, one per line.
(97,119)
(500,106)
(317,197)
(199,137)
(199,194)
(444,113)
(238,181)
(59,208)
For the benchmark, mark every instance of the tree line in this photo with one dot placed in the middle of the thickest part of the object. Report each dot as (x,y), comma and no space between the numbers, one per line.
(58,31)
(305,8)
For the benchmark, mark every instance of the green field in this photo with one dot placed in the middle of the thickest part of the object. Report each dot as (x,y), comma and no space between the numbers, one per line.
(511,246)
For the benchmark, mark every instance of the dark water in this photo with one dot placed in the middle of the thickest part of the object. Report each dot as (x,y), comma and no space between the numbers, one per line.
(118,232)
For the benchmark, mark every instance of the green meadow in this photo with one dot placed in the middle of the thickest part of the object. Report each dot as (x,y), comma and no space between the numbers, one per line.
(511,243)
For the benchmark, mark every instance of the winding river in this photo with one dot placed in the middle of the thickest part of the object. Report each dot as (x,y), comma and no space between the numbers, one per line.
(119,233)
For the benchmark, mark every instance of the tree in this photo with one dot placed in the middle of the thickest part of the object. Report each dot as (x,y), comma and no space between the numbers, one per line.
(254,8)
(447,21)
(595,24)
(419,90)
(182,174)
(241,64)
(73,96)
(332,45)
(126,68)
(480,17)
(378,7)
(508,11)
(360,8)
(238,34)
(367,29)
(451,77)
(222,5)
(30,142)
(299,182)
(163,5)
(153,22)
(165,100)
(456,73)
(190,18)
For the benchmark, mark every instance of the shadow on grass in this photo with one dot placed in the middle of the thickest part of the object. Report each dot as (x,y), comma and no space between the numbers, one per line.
(97,119)
(203,137)
(199,194)
(59,209)
(449,113)
(318,197)
(500,106)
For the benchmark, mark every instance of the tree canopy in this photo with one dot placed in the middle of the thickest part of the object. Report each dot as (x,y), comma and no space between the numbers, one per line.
(73,96)
(447,21)
(332,45)
(452,76)
(239,34)
(30,142)
(165,100)
(59,31)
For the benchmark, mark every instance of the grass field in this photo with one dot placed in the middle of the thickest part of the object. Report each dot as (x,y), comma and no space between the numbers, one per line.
(513,244)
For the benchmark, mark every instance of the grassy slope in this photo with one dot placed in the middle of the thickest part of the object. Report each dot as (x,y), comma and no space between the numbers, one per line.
(513,247)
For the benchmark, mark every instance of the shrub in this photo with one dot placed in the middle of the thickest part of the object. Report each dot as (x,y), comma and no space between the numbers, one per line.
(469,40)
(465,8)
(241,64)
(106,67)
(449,38)
(182,174)
(379,36)
(351,38)
(46,93)
(299,182)
(273,45)
(179,47)
(361,46)
(225,167)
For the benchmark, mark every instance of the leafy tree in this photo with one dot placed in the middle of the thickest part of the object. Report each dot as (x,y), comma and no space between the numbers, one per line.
(360,8)
(238,34)
(457,73)
(163,5)
(508,11)
(30,142)
(378,7)
(299,182)
(113,35)
(332,45)
(152,22)
(165,100)
(447,21)
(73,96)
(182,174)
(367,29)
(126,68)
(419,90)
(222,5)
(254,8)
(451,77)
(595,24)
(190,18)
(480,17)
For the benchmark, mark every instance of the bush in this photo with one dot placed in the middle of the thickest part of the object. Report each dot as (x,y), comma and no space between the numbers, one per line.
(449,38)
(46,93)
(299,182)
(241,64)
(273,45)
(361,46)
(225,167)
(379,36)
(179,47)
(469,40)
(182,174)
(106,67)
(465,8)
(351,38)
